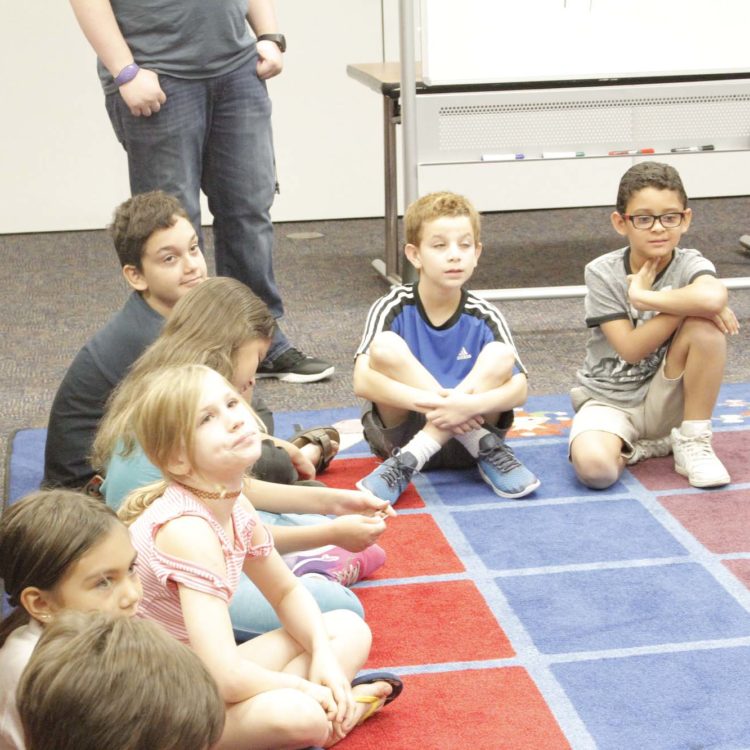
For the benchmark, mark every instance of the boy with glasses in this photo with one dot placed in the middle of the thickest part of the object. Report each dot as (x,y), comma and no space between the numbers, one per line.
(655,358)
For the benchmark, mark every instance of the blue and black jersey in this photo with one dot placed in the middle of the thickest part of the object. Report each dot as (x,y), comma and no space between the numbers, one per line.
(448,351)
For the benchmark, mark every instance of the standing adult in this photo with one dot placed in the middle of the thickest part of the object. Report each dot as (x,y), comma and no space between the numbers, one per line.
(185,88)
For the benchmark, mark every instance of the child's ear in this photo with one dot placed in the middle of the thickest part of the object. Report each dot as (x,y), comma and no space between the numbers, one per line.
(412,254)
(179,466)
(618,222)
(686,221)
(38,603)
(135,278)
(478,250)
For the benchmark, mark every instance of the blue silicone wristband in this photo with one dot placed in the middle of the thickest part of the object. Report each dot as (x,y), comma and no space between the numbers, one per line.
(127,74)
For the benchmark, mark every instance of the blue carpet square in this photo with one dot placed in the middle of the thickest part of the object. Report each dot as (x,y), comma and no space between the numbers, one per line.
(546,457)
(524,535)
(624,607)
(25,463)
(675,701)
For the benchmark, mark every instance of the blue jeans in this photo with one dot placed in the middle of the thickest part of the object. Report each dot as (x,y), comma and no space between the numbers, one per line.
(213,134)
(251,613)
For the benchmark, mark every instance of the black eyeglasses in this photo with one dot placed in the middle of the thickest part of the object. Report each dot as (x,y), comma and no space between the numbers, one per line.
(646,221)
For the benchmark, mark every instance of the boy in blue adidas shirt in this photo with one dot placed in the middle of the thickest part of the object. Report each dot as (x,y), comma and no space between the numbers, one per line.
(438,364)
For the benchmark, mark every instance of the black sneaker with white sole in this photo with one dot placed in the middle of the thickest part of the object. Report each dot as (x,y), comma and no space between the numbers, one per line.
(295,367)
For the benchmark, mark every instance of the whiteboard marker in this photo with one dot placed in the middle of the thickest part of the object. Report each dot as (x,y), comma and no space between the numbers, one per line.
(631,152)
(502,157)
(688,149)
(562,154)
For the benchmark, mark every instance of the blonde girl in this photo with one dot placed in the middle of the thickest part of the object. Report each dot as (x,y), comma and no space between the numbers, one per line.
(59,550)
(195,533)
(223,325)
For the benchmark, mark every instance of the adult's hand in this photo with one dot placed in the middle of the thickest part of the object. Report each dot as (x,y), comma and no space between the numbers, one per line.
(270,59)
(143,94)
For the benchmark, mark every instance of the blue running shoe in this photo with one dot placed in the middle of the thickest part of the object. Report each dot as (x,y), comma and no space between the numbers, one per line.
(391,478)
(507,476)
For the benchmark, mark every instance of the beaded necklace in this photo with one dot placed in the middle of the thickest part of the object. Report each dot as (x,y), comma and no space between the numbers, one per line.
(206,495)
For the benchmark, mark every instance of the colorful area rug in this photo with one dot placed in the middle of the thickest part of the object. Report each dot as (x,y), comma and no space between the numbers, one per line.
(572,619)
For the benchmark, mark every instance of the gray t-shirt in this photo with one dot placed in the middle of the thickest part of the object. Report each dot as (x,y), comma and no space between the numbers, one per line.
(605,375)
(183,38)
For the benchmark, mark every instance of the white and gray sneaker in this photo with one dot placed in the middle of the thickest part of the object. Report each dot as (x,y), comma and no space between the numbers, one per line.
(695,459)
(643,449)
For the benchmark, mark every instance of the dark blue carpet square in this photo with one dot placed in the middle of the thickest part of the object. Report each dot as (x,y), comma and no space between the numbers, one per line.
(623,607)
(528,536)
(676,701)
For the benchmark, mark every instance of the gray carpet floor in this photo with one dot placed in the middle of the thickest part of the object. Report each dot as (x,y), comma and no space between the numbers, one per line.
(58,289)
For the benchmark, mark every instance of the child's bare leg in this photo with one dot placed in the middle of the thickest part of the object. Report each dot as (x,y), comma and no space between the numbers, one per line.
(492,368)
(350,642)
(699,351)
(277,650)
(283,719)
(314,453)
(597,458)
(390,356)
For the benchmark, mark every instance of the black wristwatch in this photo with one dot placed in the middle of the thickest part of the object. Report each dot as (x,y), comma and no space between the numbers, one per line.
(278,39)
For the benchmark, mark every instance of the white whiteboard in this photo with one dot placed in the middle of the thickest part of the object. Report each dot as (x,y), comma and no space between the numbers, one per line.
(508,41)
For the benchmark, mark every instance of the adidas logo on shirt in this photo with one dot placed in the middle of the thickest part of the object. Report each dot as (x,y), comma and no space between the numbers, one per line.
(463,354)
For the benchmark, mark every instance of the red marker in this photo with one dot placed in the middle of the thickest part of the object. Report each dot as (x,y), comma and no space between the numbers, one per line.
(632,152)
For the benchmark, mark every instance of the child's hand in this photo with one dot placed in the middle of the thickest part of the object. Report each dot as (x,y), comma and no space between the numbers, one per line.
(323,695)
(343,502)
(641,282)
(325,670)
(355,532)
(452,410)
(726,322)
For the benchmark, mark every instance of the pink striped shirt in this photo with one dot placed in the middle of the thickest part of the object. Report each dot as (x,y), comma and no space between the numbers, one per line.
(160,573)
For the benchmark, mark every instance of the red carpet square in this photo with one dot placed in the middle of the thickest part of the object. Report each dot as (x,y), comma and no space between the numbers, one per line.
(484,709)
(732,447)
(415,546)
(431,623)
(346,472)
(719,520)
(741,568)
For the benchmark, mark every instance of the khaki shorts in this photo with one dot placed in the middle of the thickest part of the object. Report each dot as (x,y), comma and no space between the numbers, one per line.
(655,417)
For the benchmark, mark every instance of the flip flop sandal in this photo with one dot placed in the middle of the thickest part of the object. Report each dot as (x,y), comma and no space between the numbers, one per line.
(323,437)
(377,703)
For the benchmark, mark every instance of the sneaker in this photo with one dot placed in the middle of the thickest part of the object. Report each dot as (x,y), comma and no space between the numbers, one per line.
(643,449)
(504,473)
(337,564)
(295,367)
(695,459)
(391,478)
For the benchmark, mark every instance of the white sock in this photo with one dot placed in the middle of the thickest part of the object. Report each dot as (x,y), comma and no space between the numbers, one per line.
(694,427)
(422,447)
(470,440)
